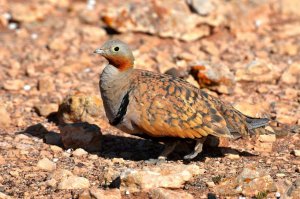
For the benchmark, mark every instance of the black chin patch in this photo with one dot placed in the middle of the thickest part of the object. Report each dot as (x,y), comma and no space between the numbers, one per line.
(121,111)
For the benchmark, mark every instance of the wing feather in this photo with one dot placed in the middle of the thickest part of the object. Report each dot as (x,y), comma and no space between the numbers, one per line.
(175,108)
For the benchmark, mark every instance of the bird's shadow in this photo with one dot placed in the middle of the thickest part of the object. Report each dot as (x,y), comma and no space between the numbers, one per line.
(131,148)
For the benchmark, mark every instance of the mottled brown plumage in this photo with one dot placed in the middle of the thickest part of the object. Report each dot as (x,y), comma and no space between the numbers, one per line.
(158,105)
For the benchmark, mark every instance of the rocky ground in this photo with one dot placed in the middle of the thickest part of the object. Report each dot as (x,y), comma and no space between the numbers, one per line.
(56,142)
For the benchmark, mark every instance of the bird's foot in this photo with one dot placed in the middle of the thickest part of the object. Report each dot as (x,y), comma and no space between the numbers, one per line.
(191,155)
(158,161)
(197,149)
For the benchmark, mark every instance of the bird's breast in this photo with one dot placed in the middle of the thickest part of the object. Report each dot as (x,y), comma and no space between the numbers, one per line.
(114,88)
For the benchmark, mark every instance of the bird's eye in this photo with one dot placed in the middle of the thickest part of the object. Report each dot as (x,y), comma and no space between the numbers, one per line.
(116,48)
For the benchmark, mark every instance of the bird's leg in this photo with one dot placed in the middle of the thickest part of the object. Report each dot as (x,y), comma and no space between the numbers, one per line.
(169,148)
(197,149)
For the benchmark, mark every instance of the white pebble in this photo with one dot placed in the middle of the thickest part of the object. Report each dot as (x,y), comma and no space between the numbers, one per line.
(7,16)
(87,70)
(55,159)
(27,87)
(258,23)
(90,4)
(69,150)
(34,36)
(12,26)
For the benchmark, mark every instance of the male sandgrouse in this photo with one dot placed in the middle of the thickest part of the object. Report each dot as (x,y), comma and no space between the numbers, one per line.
(158,105)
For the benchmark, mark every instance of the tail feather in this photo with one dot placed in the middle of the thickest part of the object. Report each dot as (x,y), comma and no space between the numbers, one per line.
(254,123)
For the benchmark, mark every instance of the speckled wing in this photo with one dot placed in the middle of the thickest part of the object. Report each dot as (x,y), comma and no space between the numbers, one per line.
(169,106)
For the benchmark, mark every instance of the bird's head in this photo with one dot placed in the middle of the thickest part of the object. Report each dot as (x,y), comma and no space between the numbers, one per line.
(117,53)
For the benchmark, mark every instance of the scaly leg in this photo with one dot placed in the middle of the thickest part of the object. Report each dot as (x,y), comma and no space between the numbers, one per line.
(197,149)
(169,148)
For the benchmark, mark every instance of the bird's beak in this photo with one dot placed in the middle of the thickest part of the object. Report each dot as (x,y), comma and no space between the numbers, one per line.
(99,51)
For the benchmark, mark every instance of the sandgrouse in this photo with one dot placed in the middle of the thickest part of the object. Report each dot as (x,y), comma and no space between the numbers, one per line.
(159,105)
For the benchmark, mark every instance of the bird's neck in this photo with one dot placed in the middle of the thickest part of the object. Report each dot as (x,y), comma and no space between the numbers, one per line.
(122,63)
(111,75)
(113,86)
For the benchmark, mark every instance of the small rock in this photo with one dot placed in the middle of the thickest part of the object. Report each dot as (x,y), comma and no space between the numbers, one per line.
(56,149)
(80,107)
(59,174)
(118,160)
(192,81)
(202,7)
(5,119)
(51,183)
(209,74)
(181,72)
(29,13)
(164,177)
(79,152)
(210,184)
(105,194)
(161,193)
(291,93)
(262,184)
(4,196)
(288,189)
(110,175)
(46,164)
(27,87)
(287,112)
(292,74)
(46,109)
(288,49)
(89,17)
(296,153)
(233,156)
(267,138)
(81,135)
(249,182)
(93,33)
(263,146)
(30,70)
(58,44)
(258,71)
(230,153)
(270,129)
(296,128)
(85,194)
(280,175)
(258,110)
(46,84)
(164,19)
(14,173)
(2,160)
(21,137)
(13,85)
(93,157)
(74,182)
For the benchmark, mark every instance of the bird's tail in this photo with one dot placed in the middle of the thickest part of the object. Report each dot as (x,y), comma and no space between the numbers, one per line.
(241,125)
(253,123)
